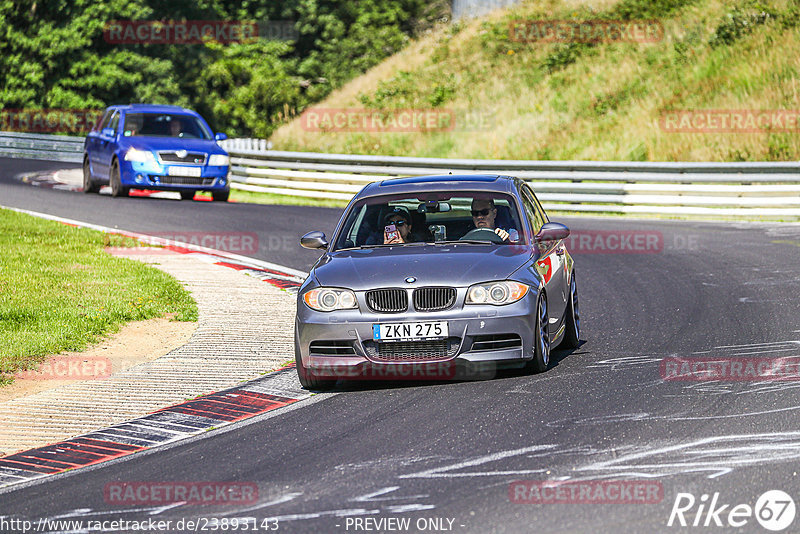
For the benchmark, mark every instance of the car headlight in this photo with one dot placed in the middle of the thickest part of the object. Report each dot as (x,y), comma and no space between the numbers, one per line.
(140,156)
(496,293)
(327,299)
(219,160)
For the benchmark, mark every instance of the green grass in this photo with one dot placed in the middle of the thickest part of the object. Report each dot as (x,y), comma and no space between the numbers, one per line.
(602,101)
(60,291)
(237,195)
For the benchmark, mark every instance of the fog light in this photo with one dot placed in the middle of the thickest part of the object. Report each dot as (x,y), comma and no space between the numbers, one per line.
(139,179)
(222,181)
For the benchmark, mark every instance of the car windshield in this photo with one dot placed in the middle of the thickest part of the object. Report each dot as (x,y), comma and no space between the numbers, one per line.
(164,125)
(467,217)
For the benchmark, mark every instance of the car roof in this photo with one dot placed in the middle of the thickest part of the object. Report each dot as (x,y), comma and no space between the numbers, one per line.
(153,108)
(445,182)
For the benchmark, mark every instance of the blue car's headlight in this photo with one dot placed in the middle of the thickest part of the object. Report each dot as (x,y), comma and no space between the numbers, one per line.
(496,293)
(139,156)
(218,160)
(329,299)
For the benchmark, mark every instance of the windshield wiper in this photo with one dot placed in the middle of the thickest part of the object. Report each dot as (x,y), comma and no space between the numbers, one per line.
(465,241)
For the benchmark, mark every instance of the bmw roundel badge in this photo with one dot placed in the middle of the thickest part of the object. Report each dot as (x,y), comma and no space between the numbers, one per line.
(411,280)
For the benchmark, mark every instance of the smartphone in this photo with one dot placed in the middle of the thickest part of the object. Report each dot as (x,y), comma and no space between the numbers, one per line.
(390,233)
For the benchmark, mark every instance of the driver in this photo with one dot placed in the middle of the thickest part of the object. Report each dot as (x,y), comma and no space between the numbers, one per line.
(484,213)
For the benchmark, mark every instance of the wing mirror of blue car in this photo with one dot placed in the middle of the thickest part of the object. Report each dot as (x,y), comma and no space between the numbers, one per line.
(552,231)
(108,132)
(314,240)
(220,137)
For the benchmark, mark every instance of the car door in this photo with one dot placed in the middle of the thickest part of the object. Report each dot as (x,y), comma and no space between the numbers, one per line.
(107,144)
(93,143)
(551,262)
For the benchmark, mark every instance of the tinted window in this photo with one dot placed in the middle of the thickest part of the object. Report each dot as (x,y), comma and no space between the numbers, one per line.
(531,210)
(164,125)
(105,120)
(114,124)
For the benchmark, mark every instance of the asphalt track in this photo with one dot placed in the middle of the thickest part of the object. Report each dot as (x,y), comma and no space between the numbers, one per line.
(449,451)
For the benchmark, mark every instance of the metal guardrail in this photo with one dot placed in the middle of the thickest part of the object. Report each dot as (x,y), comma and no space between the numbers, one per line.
(751,189)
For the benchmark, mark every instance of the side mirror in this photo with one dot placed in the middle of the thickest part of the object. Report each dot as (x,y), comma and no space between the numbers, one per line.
(108,132)
(314,240)
(552,231)
(220,137)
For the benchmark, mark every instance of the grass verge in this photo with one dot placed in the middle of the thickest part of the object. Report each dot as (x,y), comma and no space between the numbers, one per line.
(60,291)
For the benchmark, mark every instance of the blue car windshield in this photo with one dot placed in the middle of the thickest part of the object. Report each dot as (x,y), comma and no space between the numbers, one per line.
(469,217)
(164,125)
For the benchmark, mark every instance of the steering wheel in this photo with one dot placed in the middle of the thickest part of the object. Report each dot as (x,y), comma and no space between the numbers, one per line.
(482,234)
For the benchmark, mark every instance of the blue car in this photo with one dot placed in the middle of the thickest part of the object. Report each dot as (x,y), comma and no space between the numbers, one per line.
(165,148)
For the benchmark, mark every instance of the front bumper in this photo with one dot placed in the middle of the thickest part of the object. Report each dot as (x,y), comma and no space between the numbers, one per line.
(481,339)
(149,175)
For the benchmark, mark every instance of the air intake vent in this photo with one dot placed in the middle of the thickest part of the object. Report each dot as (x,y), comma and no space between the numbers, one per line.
(410,351)
(496,342)
(434,298)
(332,348)
(387,300)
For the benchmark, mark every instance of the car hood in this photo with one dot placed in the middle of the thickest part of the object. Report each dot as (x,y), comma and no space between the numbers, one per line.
(448,265)
(173,143)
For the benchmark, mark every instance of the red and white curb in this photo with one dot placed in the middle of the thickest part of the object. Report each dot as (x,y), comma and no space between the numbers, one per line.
(275,390)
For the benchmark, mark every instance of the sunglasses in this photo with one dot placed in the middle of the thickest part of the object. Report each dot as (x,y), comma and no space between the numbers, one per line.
(481,213)
(399,222)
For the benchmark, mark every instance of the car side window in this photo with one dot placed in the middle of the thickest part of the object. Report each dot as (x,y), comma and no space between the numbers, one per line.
(105,120)
(114,122)
(539,208)
(530,209)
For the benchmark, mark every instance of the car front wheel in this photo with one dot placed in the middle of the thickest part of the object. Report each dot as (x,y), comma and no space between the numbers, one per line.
(116,182)
(221,196)
(573,318)
(541,351)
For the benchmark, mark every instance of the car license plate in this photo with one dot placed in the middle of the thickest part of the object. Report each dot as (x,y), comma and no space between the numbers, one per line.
(184,171)
(406,331)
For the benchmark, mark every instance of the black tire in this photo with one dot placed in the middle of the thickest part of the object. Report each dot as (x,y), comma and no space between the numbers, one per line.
(116,183)
(187,195)
(89,185)
(572,333)
(541,351)
(220,196)
(308,379)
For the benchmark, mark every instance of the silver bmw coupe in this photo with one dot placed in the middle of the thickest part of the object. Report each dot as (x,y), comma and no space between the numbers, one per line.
(424,276)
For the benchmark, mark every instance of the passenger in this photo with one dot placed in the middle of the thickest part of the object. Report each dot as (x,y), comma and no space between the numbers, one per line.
(484,213)
(401,218)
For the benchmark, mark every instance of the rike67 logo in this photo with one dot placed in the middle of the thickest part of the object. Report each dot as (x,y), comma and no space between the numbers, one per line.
(774,510)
